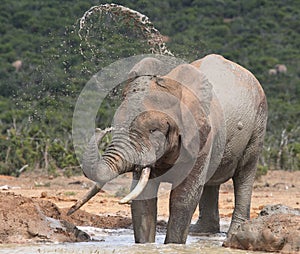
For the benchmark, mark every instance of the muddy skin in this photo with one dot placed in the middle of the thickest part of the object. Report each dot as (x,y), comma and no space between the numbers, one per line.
(212,112)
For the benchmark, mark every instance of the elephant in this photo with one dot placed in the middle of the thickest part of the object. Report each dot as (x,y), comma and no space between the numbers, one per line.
(281,68)
(17,64)
(195,126)
(272,72)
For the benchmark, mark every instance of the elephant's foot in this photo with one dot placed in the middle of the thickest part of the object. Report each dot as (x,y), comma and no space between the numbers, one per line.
(231,237)
(228,240)
(201,227)
(234,228)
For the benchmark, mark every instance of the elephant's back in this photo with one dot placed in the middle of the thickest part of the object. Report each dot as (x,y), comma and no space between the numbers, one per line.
(240,96)
(229,79)
(237,90)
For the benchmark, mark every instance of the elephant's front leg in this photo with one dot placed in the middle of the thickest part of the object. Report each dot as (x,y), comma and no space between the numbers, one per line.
(144,214)
(183,202)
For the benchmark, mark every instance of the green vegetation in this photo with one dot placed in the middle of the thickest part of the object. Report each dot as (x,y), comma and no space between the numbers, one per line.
(37,101)
(70,193)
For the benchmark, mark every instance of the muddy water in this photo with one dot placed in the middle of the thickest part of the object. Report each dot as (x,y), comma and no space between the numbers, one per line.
(122,241)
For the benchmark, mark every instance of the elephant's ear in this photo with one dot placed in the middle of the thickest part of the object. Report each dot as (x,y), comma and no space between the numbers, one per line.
(148,66)
(195,102)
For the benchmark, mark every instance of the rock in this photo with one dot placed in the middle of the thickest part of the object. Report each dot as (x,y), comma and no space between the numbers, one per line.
(278,209)
(277,228)
(44,194)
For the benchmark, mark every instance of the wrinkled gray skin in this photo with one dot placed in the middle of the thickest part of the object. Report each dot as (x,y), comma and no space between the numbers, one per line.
(196,127)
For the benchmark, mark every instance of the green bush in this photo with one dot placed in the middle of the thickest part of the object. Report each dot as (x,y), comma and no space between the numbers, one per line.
(37,103)
(261,171)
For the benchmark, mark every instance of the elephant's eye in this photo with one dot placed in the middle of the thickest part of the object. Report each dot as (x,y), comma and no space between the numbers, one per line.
(153,130)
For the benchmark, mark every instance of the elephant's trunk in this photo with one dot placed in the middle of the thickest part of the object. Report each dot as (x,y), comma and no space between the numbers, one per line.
(119,157)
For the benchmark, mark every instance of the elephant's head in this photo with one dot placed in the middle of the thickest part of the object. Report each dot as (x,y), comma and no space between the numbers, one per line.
(162,120)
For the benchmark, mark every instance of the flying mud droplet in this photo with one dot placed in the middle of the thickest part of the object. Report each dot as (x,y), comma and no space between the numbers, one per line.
(141,22)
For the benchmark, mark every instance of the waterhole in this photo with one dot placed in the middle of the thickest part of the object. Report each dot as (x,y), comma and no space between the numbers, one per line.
(122,241)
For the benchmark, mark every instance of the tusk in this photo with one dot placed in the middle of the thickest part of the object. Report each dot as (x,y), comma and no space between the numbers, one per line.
(138,188)
(92,192)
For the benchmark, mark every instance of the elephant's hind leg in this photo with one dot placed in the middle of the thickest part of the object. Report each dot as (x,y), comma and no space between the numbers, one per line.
(244,176)
(209,221)
(243,182)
